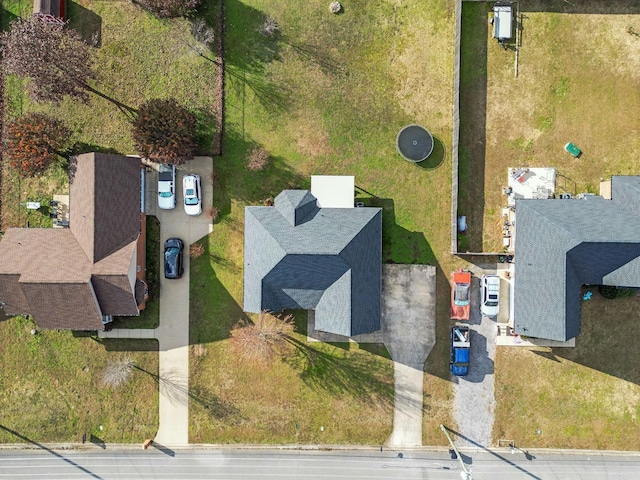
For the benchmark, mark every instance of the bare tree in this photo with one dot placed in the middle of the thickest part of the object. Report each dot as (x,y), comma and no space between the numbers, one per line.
(118,372)
(269,27)
(202,32)
(212,212)
(54,58)
(259,342)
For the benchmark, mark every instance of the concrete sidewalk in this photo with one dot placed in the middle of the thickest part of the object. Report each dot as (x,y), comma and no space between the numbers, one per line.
(173,332)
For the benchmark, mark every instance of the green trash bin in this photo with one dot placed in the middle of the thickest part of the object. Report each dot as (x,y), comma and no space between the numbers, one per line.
(573,150)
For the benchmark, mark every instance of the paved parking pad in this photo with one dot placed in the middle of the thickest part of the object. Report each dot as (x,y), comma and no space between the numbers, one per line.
(474,401)
(408,326)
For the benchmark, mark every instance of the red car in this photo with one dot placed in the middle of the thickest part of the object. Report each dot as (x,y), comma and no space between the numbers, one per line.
(460,295)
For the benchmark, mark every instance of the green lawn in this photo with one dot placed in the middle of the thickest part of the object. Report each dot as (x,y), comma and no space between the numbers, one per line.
(327,95)
(583,397)
(51,387)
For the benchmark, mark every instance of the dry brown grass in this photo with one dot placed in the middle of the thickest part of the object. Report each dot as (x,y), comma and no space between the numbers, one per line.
(57,392)
(258,159)
(585,397)
(198,350)
(196,250)
(574,85)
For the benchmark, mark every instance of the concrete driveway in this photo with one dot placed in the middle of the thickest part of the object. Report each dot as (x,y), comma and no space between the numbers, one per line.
(173,332)
(408,325)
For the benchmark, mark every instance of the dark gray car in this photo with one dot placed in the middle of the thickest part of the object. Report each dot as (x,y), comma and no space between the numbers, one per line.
(173,266)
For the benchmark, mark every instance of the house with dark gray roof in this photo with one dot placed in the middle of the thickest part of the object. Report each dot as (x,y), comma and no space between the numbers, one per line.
(298,255)
(79,277)
(563,244)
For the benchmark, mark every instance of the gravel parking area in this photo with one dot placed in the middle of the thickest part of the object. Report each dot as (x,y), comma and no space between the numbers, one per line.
(474,402)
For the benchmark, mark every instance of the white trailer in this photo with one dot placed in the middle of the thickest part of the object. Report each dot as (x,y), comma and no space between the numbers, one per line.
(502,21)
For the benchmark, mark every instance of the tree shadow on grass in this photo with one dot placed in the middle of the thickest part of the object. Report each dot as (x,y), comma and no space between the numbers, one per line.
(213,310)
(354,375)
(247,53)
(255,49)
(7,17)
(80,147)
(206,127)
(272,97)
(318,56)
(175,387)
(87,23)
(235,182)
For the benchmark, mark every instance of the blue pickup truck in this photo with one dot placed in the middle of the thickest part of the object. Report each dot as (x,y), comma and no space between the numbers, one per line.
(460,347)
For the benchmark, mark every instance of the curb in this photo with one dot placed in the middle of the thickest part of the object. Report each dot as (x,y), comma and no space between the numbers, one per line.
(310,448)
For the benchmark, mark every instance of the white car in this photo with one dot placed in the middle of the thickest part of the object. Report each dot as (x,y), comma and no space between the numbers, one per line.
(490,295)
(166,187)
(192,194)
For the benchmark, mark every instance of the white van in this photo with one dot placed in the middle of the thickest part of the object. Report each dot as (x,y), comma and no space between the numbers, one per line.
(502,21)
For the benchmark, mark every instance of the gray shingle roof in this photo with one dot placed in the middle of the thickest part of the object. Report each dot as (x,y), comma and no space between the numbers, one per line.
(563,244)
(327,259)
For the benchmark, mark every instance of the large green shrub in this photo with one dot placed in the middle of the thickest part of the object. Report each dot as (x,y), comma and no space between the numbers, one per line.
(611,292)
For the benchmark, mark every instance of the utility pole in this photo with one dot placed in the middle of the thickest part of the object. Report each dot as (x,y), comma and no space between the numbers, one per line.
(465,474)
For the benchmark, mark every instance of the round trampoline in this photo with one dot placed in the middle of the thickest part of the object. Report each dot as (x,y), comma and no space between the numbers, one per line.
(414,143)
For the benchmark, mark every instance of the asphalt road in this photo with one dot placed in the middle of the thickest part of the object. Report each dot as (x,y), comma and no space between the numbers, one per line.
(310,465)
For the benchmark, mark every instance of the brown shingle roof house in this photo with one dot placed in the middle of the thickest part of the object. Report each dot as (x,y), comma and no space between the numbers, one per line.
(80,277)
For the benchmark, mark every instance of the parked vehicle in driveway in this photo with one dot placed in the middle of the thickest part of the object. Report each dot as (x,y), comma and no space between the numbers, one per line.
(166,187)
(460,348)
(192,194)
(490,295)
(173,266)
(460,295)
